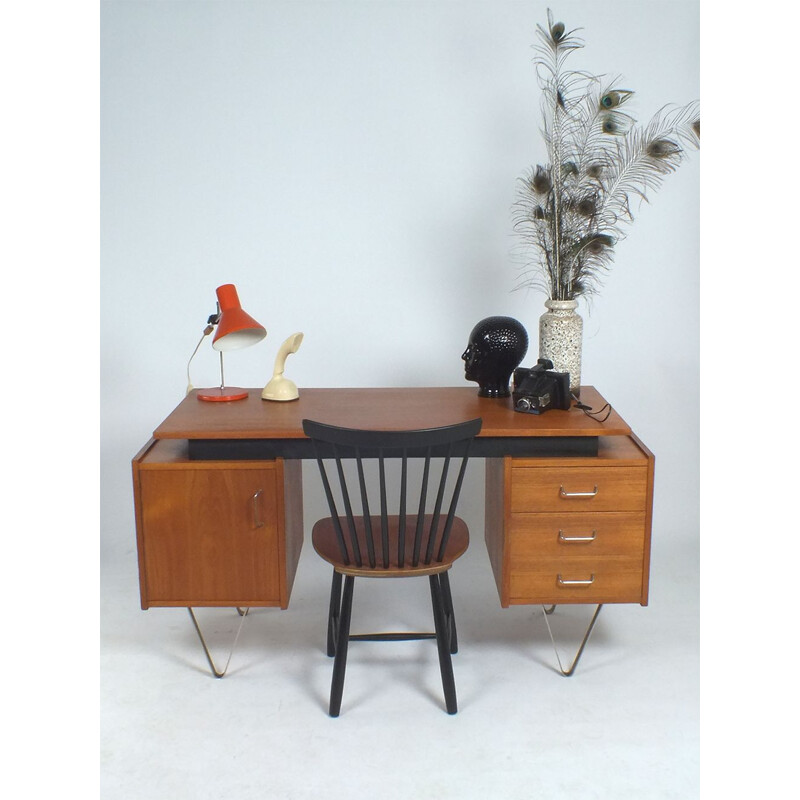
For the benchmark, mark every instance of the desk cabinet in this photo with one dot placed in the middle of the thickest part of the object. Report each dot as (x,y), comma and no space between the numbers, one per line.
(572,530)
(215,533)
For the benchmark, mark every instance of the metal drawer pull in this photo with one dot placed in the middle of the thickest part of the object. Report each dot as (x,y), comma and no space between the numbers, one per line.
(257,521)
(562,493)
(562,582)
(563,538)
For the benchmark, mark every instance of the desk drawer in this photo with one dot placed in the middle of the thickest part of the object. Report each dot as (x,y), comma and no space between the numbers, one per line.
(578,579)
(567,535)
(574,517)
(573,489)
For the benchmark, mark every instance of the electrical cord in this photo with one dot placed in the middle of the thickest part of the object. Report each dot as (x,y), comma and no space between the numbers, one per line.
(591,413)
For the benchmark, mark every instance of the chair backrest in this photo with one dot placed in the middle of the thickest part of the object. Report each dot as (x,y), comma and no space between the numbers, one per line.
(371,450)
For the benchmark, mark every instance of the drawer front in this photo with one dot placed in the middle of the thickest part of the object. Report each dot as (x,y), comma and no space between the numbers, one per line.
(579,579)
(573,489)
(567,535)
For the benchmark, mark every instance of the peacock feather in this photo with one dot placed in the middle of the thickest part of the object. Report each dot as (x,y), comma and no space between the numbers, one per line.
(575,208)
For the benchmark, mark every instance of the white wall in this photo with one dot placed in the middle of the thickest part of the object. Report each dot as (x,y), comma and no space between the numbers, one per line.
(351,167)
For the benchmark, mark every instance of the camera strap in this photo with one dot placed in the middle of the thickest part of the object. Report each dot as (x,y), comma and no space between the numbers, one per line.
(596,415)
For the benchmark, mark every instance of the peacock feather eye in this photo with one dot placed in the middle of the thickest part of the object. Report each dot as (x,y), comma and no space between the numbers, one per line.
(540,181)
(598,243)
(615,122)
(586,206)
(557,31)
(614,98)
(662,148)
(610,125)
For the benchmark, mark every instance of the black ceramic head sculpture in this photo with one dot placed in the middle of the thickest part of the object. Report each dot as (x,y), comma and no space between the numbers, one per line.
(496,347)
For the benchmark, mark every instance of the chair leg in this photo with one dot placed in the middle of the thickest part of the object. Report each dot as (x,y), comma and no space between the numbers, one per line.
(443,642)
(450,616)
(218,673)
(342,639)
(567,672)
(333,612)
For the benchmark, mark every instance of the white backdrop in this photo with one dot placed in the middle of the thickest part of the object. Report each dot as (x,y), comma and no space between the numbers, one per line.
(351,167)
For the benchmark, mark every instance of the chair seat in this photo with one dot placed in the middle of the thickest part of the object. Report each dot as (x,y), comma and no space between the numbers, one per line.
(326,544)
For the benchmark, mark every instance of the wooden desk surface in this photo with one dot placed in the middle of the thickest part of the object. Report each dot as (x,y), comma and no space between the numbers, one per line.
(380,409)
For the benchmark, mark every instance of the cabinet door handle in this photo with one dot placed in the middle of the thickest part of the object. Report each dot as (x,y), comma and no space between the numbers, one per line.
(562,493)
(590,538)
(568,582)
(258,522)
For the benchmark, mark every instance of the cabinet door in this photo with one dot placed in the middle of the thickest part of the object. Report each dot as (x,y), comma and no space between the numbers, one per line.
(211,536)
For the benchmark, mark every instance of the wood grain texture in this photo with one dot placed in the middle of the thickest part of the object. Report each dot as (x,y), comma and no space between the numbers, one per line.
(208,539)
(566,535)
(326,545)
(525,513)
(616,579)
(651,466)
(495,519)
(379,409)
(225,533)
(293,525)
(544,489)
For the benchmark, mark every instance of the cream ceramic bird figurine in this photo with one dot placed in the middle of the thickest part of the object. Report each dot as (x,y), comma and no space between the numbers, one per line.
(280,388)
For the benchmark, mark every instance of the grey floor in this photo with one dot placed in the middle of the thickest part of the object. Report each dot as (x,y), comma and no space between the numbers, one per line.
(626,725)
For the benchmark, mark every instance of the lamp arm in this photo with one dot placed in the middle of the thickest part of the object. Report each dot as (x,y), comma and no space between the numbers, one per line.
(209,328)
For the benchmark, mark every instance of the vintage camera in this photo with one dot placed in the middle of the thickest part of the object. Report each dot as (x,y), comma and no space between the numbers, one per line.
(539,389)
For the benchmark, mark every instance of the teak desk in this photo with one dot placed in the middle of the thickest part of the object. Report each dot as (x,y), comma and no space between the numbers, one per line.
(218,495)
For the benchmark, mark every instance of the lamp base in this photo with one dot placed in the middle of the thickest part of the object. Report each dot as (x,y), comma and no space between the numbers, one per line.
(221,394)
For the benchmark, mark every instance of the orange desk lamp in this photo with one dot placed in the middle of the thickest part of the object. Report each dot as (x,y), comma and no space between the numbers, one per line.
(234,329)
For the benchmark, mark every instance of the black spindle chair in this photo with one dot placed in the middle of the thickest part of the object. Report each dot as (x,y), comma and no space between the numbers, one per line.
(417,540)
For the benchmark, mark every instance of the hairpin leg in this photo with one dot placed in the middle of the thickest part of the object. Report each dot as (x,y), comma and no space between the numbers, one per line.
(568,672)
(217,673)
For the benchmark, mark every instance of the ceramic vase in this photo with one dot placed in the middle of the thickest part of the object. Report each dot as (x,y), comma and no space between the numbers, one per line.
(561,339)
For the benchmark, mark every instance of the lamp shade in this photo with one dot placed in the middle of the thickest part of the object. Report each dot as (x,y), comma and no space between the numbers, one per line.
(235,328)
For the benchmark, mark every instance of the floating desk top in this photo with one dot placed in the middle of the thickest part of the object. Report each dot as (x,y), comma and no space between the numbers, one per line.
(379,409)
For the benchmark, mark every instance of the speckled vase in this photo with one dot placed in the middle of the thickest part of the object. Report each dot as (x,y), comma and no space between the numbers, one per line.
(561,339)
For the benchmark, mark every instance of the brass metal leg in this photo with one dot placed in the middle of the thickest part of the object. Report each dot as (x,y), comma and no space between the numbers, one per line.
(567,672)
(218,673)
